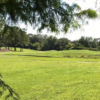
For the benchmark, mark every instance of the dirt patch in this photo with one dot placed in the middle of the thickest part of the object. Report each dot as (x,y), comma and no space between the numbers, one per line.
(4,50)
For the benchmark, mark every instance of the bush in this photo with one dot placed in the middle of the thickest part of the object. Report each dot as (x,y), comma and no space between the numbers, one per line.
(69,46)
(36,46)
(94,49)
(78,46)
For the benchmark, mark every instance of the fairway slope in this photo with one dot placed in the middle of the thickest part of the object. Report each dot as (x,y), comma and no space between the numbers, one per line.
(60,54)
(48,75)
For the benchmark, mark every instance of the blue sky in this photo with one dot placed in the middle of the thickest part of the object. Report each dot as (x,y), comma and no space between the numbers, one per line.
(90,30)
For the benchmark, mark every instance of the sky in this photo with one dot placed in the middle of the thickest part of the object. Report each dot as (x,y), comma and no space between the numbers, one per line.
(90,30)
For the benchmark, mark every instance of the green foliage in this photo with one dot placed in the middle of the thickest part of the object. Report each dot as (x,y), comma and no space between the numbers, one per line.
(52,43)
(94,49)
(69,46)
(94,44)
(91,13)
(36,46)
(86,41)
(49,43)
(14,36)
(88,13)
(54,15)
(78,46)
(23,37)
(99,48)
(37,38)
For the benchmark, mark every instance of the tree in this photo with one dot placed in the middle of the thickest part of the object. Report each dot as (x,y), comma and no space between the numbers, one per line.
(15,35)
(49,43)
(23,38)
(12,36)
(69,46)
(36,38)
(86,41)
(78,46)
(36,41)
(61,43)
(54,15)
(94,44)
(36,46)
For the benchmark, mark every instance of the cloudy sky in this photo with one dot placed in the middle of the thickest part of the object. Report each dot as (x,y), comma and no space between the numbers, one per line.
(90,30)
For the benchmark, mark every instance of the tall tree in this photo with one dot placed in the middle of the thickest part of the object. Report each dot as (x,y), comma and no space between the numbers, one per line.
(15,35)
(23,38)
(49,43)
(86,41)
(62,42)
(12,35)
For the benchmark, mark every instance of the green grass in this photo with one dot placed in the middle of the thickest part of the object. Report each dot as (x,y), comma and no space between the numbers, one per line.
(54,53)
(37,75)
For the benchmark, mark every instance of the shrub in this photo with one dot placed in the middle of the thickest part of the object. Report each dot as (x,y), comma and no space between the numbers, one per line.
(36,46)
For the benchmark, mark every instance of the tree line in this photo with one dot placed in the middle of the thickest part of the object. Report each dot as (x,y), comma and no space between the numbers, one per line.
(17,37)
(44,42)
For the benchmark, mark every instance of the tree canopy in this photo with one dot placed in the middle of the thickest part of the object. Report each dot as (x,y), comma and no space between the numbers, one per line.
(14,36)
(54,15)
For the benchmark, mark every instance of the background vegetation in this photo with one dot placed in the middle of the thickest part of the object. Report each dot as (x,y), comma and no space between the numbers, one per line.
(43,42)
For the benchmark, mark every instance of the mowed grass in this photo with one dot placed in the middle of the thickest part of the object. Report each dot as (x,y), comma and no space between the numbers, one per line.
(37,75)
(54,53)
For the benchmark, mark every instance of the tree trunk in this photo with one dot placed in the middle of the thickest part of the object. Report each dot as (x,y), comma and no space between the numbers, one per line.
(5,44)
(20,49)
(8,47)
(14,48)
(0,45)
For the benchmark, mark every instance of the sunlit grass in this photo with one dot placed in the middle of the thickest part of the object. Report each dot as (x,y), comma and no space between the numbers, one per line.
(54,53)
(53,77)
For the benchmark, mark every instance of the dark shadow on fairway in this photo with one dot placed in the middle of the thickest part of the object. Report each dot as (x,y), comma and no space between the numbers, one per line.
(32,55)
(39,56)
